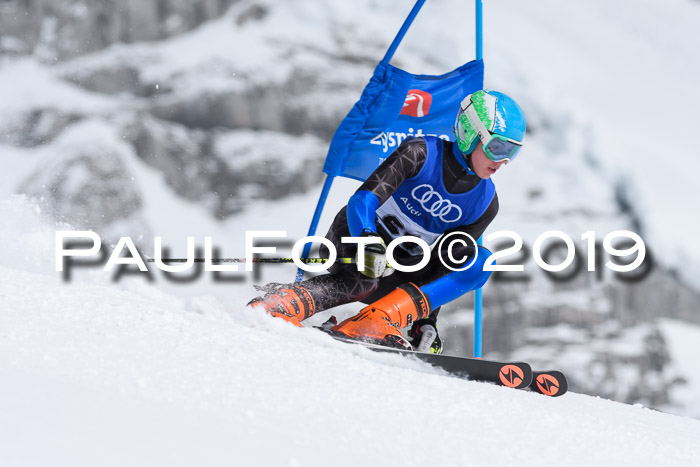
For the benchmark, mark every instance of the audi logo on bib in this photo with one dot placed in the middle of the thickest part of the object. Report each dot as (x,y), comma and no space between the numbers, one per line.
(434,204)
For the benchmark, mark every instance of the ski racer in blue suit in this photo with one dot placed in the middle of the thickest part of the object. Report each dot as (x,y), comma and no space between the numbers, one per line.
(427,188)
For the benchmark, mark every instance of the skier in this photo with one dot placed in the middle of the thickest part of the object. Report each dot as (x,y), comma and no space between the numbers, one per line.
(428,188)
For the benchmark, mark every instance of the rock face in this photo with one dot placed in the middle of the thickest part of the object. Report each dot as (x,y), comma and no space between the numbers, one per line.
(225,170)
(255,108)
(77,185)
(217,138)
(40,126)
(66,29)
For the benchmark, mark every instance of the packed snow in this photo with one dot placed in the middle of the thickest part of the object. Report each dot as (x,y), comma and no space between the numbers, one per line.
(102,374)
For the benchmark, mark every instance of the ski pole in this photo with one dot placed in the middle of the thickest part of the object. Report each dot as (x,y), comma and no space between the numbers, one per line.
(254,260)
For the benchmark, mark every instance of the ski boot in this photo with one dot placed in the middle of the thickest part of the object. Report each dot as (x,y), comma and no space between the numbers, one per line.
(293,304)
(424,336)
(382,321)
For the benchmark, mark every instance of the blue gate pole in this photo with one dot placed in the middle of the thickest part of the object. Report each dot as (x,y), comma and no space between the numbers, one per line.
(329,180)
(314,222)
(402,32)
(478,294)
(479,35)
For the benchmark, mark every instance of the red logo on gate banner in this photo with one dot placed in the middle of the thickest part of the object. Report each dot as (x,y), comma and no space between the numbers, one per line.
(417,103)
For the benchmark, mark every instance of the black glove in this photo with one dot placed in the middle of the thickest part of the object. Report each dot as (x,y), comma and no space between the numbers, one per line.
(424,335)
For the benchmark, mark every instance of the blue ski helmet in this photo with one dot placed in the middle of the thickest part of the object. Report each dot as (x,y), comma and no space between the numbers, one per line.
(499,114)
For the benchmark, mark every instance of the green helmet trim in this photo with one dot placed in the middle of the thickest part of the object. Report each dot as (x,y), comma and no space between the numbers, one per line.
(485,106)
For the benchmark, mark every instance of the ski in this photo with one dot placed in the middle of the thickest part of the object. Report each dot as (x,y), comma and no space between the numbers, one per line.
(551,383)
(517,375)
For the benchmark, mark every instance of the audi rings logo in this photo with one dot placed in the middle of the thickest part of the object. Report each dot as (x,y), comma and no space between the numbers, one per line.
(434,204)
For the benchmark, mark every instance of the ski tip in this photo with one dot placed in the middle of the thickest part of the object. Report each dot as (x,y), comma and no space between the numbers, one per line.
(550,383)
(516,375)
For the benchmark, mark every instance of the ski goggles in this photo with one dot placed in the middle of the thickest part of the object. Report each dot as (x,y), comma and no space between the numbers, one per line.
(496,147)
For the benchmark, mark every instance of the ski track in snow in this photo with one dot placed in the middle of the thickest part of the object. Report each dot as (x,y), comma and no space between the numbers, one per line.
(130,375)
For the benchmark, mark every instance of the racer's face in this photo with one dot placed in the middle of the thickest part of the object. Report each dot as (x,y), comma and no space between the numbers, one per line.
(482,165)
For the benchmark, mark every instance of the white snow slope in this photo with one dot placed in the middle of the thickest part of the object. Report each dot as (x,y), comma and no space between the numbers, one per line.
(93,373)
